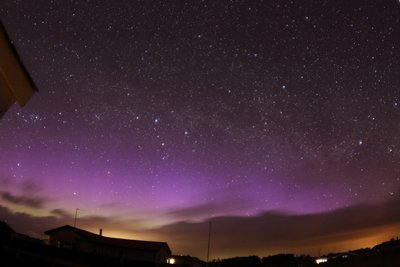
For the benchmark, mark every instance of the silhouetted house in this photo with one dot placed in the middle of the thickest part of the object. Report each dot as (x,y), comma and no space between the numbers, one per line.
(15,83)
(69,237)
(6,232)
(289,260)
(388,245)
(187,261)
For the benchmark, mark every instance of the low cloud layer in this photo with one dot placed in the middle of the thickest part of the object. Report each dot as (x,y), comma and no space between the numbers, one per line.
(29,201)
(24,193)
(275,232)
(31,186)
(28,224)
(36,226)
(266,234)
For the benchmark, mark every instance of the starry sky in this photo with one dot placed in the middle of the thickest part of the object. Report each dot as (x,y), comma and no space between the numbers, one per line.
(279,121)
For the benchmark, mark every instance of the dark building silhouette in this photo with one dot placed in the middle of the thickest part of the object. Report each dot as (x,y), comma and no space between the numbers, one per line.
(185,261)
(392,244)
(288,260)
(16,84)
(249,261)
(6,232)
(68,237)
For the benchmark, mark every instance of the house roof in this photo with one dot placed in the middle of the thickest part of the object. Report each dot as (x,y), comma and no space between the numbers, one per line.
(110,241)
(16,85)
(4,227)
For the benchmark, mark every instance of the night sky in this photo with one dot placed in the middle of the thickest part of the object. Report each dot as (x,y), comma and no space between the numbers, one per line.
(279,121)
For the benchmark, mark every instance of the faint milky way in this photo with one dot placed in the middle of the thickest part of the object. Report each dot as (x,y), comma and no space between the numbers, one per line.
(166,111)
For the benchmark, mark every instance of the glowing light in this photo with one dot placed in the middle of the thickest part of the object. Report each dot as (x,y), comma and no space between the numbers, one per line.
(321,260)
(171,261)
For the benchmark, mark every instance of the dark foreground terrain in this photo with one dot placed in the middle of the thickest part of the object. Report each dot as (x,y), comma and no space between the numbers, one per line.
(21,250)
(34,253)
(31,253)
(386,254)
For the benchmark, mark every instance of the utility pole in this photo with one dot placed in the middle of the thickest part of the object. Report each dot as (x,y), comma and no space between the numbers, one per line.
(76,214)
(209,239)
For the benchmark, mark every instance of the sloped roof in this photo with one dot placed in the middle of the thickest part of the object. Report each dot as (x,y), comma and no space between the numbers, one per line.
(110,241)
(4,227)
(16,85)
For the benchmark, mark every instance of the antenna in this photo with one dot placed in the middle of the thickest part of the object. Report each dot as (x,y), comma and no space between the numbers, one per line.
(76,214)
(209,238)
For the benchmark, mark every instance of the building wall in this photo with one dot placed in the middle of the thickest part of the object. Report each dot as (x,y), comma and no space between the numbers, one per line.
(162,255)
(66,239)
(70,240)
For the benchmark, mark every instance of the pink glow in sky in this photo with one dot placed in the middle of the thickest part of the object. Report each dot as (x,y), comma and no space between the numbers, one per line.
(154,117)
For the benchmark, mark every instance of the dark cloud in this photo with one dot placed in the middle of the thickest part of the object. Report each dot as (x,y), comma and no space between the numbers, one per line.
(112,205)
(222,204)
(60,213)
(22,192)
(33,202)
(198,211)
(265,234)
(276,232)
(36,226)
(97,220)
(30,186)
(28,224)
